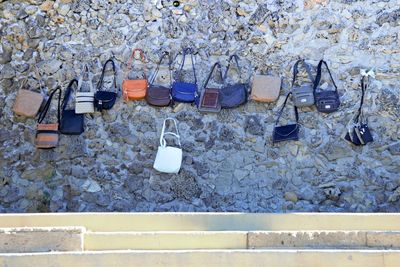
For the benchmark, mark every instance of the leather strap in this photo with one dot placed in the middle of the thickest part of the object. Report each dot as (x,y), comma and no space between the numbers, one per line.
(364,87)
(164,55)
(236,58)
(217,64)
(319,74)
(101,81)
(187,51)
(296,70)
(67,93)
(296,113)
(46,108)
(163,142)
(130,61)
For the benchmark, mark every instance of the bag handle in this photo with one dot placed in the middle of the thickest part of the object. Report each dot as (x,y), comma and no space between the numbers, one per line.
(187,51)
(164,55)
(319,74)
(296,71)
(163,142)
(217,64)
(130,61)
(296,113)
(90,77)
(67,93)
(236,58)
(101,81)
(46,108)
(364,86)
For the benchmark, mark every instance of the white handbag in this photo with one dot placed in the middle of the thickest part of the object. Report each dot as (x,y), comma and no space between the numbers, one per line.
(84,101)
(169,158)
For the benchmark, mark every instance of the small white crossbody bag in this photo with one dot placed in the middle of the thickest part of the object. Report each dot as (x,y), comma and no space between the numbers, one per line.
(169,158)
(84,101)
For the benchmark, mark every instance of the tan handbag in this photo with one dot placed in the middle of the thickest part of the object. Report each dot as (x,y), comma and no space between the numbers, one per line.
(135,89)
(27,103)
(266,88)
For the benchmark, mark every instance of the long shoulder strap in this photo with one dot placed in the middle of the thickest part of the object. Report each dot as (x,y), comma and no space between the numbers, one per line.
(163,142)
(296,113)
(218,65)
(130,61)
(296,70)
(187,51)
(236,58)
(319,75)
(165,54)
(46,108)
(67,93)
(101,81)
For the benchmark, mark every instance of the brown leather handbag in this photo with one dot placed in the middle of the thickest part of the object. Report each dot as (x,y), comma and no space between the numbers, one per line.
(134,89)
(158,95)
(47,134)
(209,100)
(265,88)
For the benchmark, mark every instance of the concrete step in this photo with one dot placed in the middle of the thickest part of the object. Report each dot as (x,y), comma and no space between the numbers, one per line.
(209,258)
(122,222)
(20,240)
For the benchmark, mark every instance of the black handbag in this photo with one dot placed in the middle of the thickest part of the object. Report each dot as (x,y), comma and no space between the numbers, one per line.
(289,131)
(326,101)
(71,123)
(233,95)
(358,132)
(106,99)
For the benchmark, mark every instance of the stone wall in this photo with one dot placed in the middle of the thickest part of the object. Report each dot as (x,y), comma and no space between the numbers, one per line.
(229,161)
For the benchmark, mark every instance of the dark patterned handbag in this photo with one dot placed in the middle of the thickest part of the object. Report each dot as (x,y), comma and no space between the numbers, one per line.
(289,131)
(158,95)
(71,123)
(209,97)
(303,95)
(106,99)
(326,101)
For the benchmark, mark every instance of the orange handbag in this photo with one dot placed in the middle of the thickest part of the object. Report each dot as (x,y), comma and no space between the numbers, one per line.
(134,89)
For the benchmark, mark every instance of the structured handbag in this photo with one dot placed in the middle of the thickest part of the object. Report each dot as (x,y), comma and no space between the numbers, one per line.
(209,97)
(47,134)
(106,99)
(84,101)
(168,158)
(135,89)
(289,131)
(28,103)
(358,132)
(326,101)
(158,95)
(303,95)
(71,123)
(233,95)
(265,88)
(181,91)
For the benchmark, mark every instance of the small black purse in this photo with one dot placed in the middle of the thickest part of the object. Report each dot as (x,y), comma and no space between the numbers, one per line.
(71,123)
(326,101)
(106,99)
(286,132)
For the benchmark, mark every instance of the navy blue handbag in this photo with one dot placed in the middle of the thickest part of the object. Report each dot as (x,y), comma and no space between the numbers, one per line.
(286,132)
(233,95)
(71,123)
(181,91)
(106,99)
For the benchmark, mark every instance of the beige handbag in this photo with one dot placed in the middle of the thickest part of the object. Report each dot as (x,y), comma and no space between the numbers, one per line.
(84,101)
(27,102)
(265,88)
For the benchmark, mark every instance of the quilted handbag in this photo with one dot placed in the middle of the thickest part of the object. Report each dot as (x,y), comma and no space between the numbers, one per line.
(47,134)
(233,95)
(106,99)
(71,123)
(84,101)
(209,97)
(158,95)
(168,158)
(286,132)
(326,101)
(135,89)
(181,91)
(303,95)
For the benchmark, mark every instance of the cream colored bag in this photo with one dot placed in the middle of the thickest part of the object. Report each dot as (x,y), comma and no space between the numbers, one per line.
(266,88)
(84,101)
(169,158)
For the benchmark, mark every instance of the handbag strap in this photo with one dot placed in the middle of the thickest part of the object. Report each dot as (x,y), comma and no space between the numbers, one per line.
(319,74)
(187,51)
(101,81)
(296,70)
(90,77)
(296,113)
(164,55)
(163,142)
(67,93)
(217,64)
(130,62)
(236,58)
(46,108)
